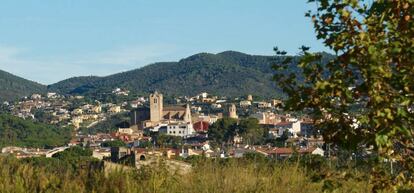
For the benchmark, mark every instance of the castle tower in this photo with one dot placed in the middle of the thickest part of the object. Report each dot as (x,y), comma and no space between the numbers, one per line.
(233,112)
(156,107)
(249,97)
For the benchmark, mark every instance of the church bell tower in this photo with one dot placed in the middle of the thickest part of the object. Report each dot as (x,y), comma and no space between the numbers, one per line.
(156,107)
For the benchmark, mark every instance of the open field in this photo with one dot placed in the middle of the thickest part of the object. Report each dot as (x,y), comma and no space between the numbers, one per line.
(206,177)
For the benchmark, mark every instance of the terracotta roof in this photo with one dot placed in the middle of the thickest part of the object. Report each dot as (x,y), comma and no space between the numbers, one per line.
(174,108)
(283,124)
(201,126)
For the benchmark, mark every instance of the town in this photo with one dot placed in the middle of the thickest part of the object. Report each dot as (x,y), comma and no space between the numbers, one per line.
(186,127)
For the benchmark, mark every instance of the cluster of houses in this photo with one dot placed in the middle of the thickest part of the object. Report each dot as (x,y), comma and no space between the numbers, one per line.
(195,116)
(62,110)
(189,119)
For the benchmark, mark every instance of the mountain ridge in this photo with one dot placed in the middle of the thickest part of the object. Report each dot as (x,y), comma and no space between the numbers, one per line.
(228,73)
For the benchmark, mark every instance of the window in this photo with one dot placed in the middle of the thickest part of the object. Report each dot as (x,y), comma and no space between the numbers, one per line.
(155,100)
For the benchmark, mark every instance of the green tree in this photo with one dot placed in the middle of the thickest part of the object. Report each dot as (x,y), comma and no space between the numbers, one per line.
(251,131)
(364,96)
(72,152)
(222,131)
(164,140)
(115,143)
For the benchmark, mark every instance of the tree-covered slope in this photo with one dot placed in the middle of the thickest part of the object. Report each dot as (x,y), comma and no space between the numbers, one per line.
(228,73)
(68,85)
(25,133)
(13,87)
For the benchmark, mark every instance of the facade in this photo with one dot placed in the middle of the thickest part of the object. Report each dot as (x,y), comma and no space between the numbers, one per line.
(267,118)
(157,114)
(245,104)
(156,107)
(233,111)
(180,129)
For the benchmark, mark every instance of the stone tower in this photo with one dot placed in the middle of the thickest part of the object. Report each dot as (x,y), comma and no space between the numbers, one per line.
(249,97)
(187,116)
(156,107)
(233,111)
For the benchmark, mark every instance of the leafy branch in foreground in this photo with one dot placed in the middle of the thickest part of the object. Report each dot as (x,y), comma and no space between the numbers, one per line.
(363,98)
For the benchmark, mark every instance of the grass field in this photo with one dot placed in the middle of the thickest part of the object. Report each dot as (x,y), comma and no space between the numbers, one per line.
(205,177)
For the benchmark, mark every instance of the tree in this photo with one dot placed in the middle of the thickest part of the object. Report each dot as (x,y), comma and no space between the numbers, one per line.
(164,140)
(363,98)
(115,143)
(223,130)
(251,131)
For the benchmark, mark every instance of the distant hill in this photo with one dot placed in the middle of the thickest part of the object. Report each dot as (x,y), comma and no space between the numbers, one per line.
(13,87)
(71,84)
(228,73)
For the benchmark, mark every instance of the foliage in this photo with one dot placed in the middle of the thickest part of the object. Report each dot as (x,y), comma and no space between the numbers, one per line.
(13,87)
(115,143)
(251,131)
(226,74)
(42,116)
(206,176)
(164,140)
(19,132)
(222,131)
(70,160)
(256,157)
(75,82)
(111,124)
(75,151)
(364,97)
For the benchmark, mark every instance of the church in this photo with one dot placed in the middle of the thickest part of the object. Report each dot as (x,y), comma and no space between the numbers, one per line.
(157,114)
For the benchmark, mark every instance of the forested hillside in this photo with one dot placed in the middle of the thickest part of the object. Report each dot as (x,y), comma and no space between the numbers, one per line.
(68,85)
(228,73)
(13,87)
(25,133)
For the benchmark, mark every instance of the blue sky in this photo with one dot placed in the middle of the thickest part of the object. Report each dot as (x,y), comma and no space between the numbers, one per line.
(51,40)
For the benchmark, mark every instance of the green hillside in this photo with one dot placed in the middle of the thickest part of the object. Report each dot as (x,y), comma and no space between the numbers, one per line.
(228,73)
(68,85)
(13,87)
(25,133)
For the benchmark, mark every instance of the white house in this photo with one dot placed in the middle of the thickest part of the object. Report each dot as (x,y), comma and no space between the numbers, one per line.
(180,129)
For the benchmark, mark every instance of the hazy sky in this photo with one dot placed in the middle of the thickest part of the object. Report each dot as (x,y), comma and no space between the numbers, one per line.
(50,40)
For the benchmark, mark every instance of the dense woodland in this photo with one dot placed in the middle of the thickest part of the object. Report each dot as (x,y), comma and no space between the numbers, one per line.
(15,131)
